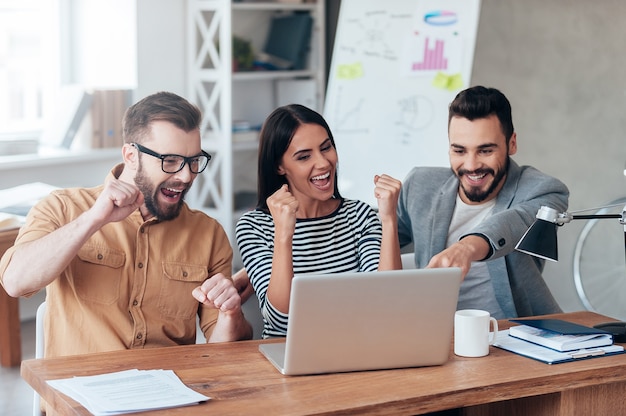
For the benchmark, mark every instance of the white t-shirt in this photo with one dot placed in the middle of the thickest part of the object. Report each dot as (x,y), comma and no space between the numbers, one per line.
(476,289)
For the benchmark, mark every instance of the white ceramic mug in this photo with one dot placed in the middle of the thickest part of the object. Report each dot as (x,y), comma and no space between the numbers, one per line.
(471,332)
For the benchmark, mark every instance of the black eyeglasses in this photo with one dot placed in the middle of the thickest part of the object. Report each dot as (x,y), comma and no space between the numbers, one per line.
(175,163)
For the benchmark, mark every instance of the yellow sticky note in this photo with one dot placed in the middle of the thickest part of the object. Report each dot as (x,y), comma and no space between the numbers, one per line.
(440,80)
(455,82)
(350,71)
(449,82)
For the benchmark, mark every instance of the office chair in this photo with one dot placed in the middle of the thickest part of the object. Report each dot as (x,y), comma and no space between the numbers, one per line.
(39,347)
(408,260)
(252,312)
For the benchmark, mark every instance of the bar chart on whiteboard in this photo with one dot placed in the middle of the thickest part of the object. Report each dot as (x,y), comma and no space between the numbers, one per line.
(431,56)
(396,66)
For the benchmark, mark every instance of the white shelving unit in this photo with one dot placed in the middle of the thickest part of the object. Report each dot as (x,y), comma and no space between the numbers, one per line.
(224,95)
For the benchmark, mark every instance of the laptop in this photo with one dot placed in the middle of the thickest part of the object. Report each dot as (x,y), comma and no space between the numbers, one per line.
(368,321)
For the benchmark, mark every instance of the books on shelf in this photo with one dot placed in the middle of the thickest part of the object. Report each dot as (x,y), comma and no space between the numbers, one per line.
(560,335)
(241,125)
(245,132)
(245,136)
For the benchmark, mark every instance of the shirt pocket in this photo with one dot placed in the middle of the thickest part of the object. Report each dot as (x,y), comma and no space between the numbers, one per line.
(179,280)
(98,275)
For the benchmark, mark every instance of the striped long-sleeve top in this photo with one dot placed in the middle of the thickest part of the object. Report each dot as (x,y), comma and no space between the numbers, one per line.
(347,240)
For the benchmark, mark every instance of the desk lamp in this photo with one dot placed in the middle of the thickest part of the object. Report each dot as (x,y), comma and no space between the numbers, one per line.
(540,241)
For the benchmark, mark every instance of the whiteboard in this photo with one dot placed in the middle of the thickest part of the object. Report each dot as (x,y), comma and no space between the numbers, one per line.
(396,66)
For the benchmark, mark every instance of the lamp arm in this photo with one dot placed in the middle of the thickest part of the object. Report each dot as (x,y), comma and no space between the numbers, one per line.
(594,216)
(565,217)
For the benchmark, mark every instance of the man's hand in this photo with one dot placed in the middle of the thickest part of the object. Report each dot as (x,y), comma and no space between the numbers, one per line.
(219,292)
(461,254)
(116,202)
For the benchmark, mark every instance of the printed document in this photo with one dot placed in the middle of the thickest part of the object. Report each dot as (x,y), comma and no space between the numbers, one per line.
(128,391)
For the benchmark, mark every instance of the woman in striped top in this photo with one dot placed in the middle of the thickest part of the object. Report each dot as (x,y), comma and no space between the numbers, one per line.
(301,223)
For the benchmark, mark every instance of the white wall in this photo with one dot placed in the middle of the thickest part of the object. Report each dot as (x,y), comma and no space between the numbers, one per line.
(105,61)
(161,47)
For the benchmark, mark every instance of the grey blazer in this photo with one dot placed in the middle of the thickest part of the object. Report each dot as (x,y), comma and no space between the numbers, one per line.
(425,211)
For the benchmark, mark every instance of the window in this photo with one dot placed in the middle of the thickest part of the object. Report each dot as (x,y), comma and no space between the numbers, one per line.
(46,45)
(29,63)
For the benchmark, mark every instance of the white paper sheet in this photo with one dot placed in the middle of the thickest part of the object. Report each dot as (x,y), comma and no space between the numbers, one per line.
(128,391)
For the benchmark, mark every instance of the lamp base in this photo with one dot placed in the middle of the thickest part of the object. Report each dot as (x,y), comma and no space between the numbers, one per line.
(618,329)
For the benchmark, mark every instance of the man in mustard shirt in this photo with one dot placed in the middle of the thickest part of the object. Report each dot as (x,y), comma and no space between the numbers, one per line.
(119,261)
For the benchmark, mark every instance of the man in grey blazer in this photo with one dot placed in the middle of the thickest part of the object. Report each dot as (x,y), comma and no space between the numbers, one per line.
(472,215)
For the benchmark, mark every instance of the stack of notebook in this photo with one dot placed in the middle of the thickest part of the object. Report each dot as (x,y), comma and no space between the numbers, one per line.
(556,341)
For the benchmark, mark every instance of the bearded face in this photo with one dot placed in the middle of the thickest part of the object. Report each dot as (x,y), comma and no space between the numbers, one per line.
(163,200)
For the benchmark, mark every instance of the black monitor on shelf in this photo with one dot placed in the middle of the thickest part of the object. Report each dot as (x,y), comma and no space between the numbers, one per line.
(288,40)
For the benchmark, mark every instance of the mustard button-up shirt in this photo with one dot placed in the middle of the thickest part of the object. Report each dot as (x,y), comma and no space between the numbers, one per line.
(130,284)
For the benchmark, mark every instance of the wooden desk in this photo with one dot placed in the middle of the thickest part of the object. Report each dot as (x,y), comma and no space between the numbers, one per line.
(241,381)
(10,333)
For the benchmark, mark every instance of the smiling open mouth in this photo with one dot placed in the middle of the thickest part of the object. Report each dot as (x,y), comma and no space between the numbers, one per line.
(320,177)
(476,177)
(171,193)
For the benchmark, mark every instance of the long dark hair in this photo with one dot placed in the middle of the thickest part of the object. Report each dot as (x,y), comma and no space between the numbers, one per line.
(276,135)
